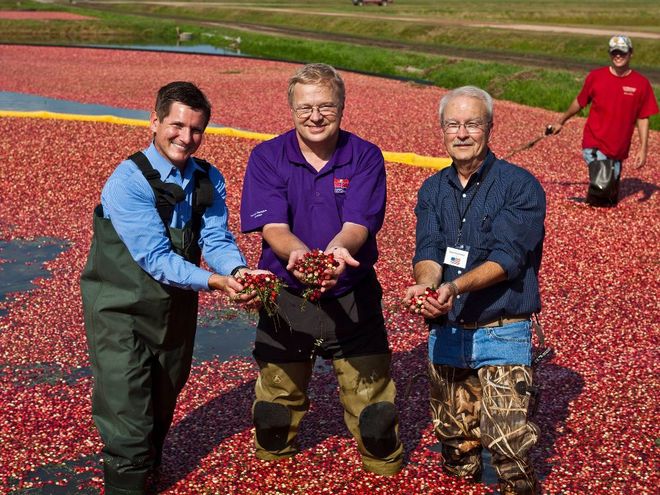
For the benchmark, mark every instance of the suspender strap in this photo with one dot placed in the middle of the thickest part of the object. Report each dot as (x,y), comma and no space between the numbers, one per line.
(167,195)
(203,195)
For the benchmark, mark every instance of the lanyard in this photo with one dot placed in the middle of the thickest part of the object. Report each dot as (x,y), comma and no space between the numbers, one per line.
(461,214)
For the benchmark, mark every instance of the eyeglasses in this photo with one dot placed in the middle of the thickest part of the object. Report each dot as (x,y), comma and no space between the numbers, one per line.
(326,109)
(470,127)
(618,53)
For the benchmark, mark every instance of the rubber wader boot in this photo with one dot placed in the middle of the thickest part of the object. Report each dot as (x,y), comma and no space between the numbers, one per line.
(280,403)
(505,427)
(367,393)
(456,414)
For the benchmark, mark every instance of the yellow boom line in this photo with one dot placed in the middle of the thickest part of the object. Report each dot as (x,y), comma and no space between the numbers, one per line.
(391,156)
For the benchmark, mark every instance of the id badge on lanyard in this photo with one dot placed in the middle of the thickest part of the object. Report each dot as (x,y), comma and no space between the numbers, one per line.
(457,256)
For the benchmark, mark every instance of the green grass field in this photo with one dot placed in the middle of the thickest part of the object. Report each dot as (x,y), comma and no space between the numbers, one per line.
(438,42)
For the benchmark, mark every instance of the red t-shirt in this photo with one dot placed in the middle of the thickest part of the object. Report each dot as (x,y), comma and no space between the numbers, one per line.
(616,104)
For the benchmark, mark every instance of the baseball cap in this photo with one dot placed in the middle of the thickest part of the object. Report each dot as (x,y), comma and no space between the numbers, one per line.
(621,43)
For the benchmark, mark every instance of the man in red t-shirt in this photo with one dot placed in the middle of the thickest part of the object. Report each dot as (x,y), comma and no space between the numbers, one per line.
(620,100)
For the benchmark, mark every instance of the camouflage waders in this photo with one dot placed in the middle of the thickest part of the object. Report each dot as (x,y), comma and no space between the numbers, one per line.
(366,392)
(474,408)
(140,335)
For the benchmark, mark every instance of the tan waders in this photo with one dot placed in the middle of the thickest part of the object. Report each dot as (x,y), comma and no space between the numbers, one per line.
(366,392)
(140,335)
(486,407)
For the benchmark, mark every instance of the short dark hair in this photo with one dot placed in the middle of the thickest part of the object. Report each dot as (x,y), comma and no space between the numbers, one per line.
(181,92)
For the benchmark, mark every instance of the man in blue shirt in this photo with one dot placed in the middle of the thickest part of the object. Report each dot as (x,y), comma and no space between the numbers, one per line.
(320,187)
(479,240)
(161,211)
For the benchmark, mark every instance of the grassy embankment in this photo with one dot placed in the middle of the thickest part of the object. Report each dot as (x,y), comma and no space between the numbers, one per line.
(439,46)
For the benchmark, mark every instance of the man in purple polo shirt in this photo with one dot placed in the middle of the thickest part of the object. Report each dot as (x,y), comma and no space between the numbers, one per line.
(319,187)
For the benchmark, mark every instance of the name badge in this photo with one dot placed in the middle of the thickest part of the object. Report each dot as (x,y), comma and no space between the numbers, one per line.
(456,257)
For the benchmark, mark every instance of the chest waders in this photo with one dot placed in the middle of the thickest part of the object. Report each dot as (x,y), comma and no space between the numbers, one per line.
(140,335)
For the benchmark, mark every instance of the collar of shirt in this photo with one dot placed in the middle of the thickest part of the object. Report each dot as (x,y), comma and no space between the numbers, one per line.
(167,171)
(342,155)
(478,176)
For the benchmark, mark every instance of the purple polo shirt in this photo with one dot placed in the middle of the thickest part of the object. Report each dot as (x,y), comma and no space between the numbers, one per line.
(281,187)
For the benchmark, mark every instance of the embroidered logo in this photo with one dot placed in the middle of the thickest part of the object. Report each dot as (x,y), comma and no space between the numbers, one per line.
(341,185)
(629,90)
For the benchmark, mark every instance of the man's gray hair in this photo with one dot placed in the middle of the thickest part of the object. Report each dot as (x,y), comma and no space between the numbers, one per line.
(471,92)
(319,74)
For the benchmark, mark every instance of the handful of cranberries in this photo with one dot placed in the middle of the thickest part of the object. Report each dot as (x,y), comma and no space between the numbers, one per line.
(418,301)
(313,266)
(266,285)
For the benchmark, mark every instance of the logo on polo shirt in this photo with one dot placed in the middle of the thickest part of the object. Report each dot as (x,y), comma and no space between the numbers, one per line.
(629,90)
(341,185)
(258,213)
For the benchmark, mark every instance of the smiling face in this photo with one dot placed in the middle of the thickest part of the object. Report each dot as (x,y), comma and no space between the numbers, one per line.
(620,60)
(316,130)
(179,134)
(467,144)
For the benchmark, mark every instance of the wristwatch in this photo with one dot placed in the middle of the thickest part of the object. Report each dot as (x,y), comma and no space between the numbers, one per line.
(235,271)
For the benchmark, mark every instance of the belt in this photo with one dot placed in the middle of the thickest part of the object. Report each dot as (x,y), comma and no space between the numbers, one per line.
(497,322)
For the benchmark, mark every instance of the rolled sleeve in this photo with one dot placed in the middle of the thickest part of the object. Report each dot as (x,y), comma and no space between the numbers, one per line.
(429,243)
(518,229)
(264,198)
(367,192)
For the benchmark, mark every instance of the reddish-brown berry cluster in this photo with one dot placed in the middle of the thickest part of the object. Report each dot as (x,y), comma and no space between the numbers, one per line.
(418,301)
(267,287)
(313,266)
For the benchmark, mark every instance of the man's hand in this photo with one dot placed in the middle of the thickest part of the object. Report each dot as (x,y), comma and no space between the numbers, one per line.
(229,285)
(344,257)
(250,300)
(640,159)
(294,256)
(554,128)
(432,307)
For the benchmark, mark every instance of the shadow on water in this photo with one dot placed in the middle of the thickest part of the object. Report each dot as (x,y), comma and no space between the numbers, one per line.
(22,261)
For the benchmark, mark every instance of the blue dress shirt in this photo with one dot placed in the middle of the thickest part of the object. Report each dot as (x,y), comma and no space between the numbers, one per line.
(500,216)
(129,202)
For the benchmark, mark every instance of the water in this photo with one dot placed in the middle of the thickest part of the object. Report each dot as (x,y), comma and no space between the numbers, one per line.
(65,478)
(230,334)
(195,49)
(22,261)
(23,102)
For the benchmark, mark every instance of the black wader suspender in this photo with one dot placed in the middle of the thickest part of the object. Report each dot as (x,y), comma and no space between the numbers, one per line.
(168,195)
